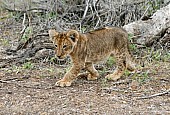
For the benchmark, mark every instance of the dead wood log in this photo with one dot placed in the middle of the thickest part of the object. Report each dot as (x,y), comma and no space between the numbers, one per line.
(152,29)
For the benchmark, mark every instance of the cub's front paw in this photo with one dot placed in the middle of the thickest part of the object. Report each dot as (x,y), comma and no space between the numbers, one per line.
(112,77)
(63,83)
(91,77)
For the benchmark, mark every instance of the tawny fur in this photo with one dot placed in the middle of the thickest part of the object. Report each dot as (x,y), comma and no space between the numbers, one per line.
(90,48)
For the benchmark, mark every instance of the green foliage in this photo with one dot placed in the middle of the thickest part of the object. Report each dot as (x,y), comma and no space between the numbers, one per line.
(153,5)
(27,34)
(16,69)
(167,57)
(159,55)
(28,65)
(156,55)
(111,61)
(16,15)
(127,73)
(47,16)
(5,16)
(130,37)
(83,29)
(131,46)
(141,77)
(51,15)
(53,59)
(103,71)
(51,70)
(104,82)
(4,42)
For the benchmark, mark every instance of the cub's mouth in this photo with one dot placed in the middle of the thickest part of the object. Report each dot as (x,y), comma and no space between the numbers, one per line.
(61,58)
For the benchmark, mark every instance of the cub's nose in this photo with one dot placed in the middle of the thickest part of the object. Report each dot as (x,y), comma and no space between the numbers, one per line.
(59,57)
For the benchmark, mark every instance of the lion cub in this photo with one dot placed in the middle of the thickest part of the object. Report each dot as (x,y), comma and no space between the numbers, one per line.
(90,48)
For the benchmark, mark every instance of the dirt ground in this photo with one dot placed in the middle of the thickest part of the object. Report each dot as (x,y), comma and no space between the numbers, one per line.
(31,91)
(29,88)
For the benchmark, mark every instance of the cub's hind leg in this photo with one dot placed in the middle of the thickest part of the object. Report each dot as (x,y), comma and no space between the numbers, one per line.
(93,73)
(130,63)
(121,66)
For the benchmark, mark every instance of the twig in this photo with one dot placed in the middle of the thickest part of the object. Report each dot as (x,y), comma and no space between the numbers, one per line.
(23,11)
(97,14)
(136,36)
(86,9)
(150,55)
(24,27)
(23,24)
(145,12)
(154,95)
(25,86)
(42,34)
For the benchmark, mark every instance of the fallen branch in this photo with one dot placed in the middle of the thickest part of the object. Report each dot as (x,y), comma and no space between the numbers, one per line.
(2,81)
(122,82)
(25,86)
(24,45)
(114,89)
(155,95)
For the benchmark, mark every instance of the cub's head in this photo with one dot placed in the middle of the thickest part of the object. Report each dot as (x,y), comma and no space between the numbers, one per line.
(64,42)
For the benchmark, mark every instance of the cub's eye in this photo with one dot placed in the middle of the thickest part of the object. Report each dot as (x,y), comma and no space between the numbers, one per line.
(56,46)
(64,46)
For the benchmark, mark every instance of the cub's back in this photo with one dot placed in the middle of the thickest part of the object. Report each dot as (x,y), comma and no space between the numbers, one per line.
(107,38)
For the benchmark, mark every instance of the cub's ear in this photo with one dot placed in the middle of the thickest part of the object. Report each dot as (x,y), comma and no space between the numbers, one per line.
(73,35)
(52,34)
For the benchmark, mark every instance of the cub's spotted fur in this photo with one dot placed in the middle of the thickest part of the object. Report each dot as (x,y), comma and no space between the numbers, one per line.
(90,48)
